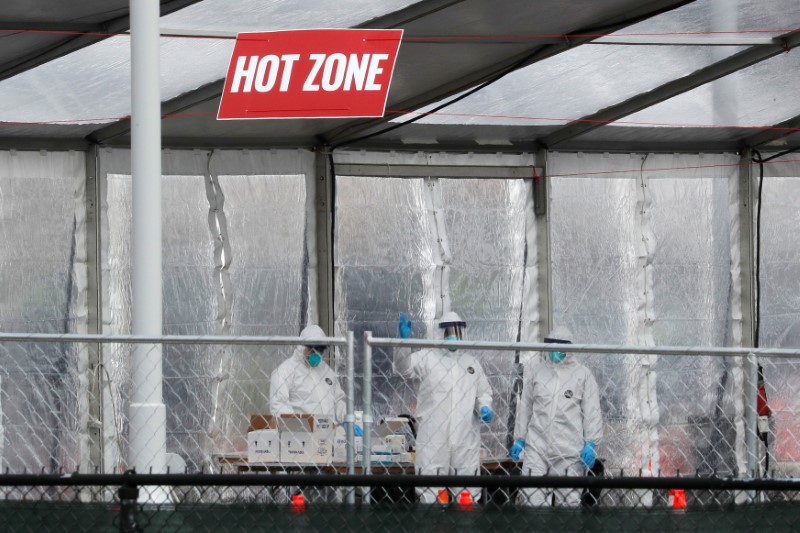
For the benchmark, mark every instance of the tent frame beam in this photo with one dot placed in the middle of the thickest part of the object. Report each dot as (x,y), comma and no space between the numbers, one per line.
(641,101)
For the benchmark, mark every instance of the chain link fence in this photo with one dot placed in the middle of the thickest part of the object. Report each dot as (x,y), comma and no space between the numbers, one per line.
(168,502)
(716,415)
(65,406)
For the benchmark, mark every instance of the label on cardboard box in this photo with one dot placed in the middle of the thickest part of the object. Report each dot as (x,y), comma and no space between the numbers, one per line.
(306,438)
(263,445)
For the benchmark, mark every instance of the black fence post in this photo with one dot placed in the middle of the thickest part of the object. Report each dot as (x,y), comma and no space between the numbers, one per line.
(128,501)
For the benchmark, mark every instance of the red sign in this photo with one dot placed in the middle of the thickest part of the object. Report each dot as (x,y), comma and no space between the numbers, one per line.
(310,74)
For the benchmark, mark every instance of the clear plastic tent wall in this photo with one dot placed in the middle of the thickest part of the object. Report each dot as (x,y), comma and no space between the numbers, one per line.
(422,246)
(235,262)
(780,299)
(643,250)
(641,255)
(42,290)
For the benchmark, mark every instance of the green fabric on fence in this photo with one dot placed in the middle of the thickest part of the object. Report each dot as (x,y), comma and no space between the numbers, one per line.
(47,517)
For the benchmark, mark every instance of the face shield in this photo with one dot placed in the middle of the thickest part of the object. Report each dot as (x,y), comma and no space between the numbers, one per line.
(558,336)
(454,333)
(453,327)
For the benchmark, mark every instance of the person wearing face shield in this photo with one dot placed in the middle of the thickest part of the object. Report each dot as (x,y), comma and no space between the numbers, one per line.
(454,398)
(305,384)
(558,421)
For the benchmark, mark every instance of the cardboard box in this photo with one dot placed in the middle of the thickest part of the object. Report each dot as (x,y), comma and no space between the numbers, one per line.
(340,445)
(392,425)
(381,454)
(262,422)
(263,446)
(306,438)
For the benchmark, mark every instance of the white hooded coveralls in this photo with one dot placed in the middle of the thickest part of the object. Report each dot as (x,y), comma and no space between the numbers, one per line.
(558,412)
(295,387)
(452,389)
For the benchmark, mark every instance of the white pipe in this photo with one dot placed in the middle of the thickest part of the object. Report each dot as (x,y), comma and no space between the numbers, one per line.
(350,417)
(147,411)
(367,421)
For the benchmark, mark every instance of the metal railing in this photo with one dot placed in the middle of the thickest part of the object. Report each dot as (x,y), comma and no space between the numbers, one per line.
(746,357)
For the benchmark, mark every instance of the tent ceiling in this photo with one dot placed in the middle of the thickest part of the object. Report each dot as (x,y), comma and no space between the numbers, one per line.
(428,70)
(48,29)
(470,43)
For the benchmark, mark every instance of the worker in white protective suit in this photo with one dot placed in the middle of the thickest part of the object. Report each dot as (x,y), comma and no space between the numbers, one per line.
(454,397)
(305,384)
(558,422)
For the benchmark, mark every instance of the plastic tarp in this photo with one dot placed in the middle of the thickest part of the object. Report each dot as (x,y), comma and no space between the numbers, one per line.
(780,298)
(43,286)
(236,262)
(421,245)
(626,270)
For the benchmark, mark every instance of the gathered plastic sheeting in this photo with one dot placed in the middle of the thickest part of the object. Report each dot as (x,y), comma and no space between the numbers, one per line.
(210,391)
(42,290)
(388,259)
(614,217)
(780,301)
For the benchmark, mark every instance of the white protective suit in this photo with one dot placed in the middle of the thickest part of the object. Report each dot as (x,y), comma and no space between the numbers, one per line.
(297,388)
(452,389)
(559,411)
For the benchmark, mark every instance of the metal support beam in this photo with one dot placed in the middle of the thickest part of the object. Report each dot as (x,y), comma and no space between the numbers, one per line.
(405,17)
(673,88)
(324,234)
(94,310)
(774,133)
(433,171)
(745,217)
(747,304)
(541,191)
(645,10)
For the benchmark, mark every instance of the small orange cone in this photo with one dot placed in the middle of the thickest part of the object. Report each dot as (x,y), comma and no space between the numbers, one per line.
(298,503)
(677,498)
(443,496)
(465,501)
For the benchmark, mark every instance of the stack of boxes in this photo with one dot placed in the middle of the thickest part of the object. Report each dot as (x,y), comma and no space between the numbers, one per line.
(291,439)
(315,439)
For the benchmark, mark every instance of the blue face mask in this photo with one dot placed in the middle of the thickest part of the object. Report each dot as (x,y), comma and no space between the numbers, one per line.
(314,359)
(557,357)
(451,338)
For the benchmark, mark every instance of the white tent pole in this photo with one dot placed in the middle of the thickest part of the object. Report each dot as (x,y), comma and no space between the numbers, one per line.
(147,411)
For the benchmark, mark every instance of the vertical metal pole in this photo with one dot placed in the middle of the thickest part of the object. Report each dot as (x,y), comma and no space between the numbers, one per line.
(94,309)
(367,461)
(746,247)
(541,198)
(147,412)
(128,506)
(751,397)
(324,237)
(350,416)
(743,307)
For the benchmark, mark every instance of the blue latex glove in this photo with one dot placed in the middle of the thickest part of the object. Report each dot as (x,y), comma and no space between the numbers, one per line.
(486,414)
(517,449)
(357,431)
(589,454)
(404,328)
